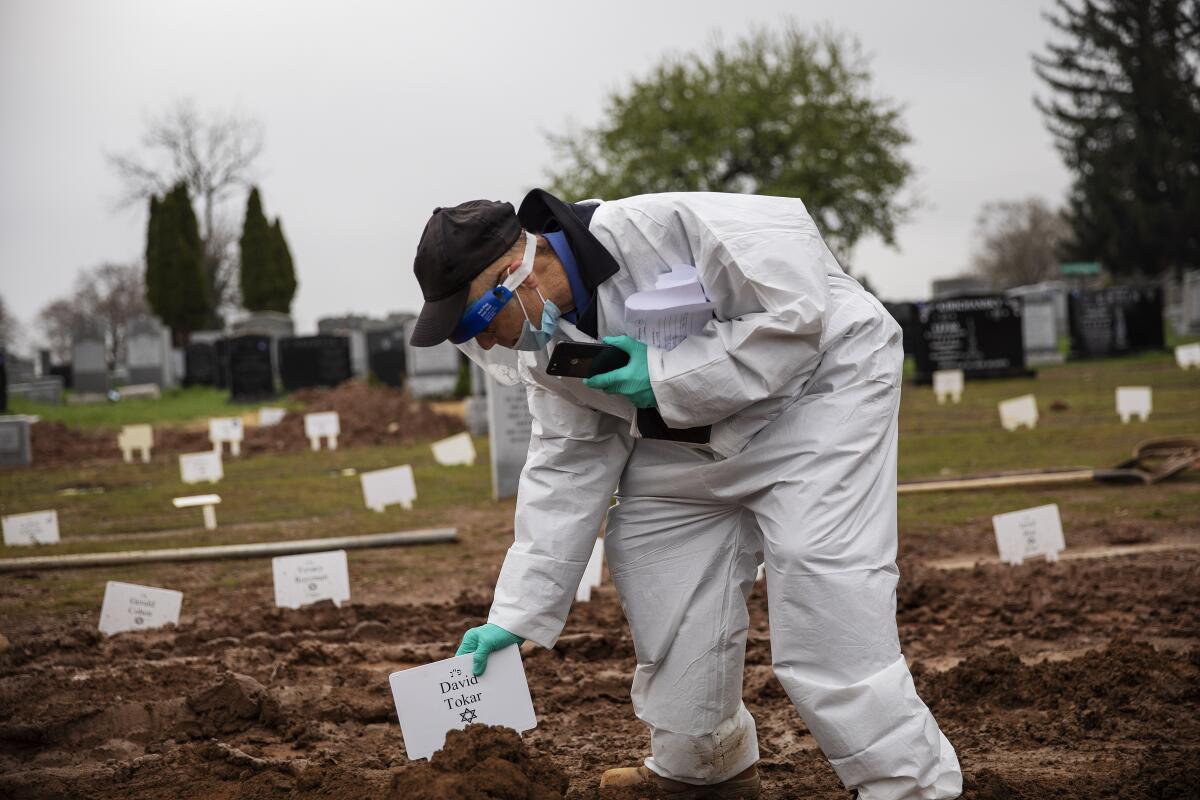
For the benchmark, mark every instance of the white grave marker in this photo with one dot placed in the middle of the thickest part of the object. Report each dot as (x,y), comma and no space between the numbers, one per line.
(444,696)
(384,487)
(129,607)
(226,429)
(197,467)
(311,577)
(455,450)
(1188,355)
(269,417)
(1019,411)
(34,527)
(593,573)
(1029,532)
(136,437)
(948,383)
(1133,400)
(206,503)
(324,424)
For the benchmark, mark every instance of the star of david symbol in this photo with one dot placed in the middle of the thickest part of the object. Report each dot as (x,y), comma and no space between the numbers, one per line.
(468,716)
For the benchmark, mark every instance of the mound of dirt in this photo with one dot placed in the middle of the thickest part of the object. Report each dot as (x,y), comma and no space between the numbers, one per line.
(369,415)
(481,763)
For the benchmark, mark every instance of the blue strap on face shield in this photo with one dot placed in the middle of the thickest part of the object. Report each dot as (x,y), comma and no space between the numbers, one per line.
(481,313)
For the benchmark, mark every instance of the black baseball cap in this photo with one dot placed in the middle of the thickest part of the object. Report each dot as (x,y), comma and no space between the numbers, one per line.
(458,243)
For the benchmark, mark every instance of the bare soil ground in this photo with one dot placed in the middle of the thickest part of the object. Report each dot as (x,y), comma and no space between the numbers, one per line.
(1080,679)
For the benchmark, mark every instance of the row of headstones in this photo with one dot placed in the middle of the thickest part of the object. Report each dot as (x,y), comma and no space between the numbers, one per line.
(999,335)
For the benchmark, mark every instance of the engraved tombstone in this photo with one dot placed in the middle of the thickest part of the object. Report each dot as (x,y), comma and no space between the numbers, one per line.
(509,427)
(250,374)
(89,364)
(148,352)
(432,371)
(15,449)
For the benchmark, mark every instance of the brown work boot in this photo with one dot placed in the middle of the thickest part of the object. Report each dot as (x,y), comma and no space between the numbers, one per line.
(744,785)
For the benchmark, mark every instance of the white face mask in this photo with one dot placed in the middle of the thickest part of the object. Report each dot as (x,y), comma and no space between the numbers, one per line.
(532,339)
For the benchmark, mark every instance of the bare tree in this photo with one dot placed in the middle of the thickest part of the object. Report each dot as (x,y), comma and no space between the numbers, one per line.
(214,155)
(1018,242)
(8,328)
(108,296)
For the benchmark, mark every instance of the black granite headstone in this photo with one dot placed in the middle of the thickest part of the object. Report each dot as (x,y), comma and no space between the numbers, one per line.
(907,317)
(63,371)
(221,349)
(200,364)
(250,375)
(1116,320)
(385,356)
(982,336)
(306,361)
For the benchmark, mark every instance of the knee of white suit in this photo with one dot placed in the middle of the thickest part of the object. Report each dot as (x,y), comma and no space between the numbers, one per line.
(709,758)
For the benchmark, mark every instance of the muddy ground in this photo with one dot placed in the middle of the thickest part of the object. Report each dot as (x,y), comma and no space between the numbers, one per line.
(1075,680)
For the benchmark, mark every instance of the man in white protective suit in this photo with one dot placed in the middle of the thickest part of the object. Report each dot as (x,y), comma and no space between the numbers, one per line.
(769,435)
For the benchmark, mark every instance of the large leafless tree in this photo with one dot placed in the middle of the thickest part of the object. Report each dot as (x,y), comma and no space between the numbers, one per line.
(214,155)
(1018,242)
(107,297)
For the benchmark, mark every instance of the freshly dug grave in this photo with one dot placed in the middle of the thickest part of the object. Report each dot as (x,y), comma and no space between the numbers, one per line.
(1078,680)
(368,415)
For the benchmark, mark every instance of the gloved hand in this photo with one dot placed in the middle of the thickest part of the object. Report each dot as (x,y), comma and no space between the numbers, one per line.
(631,380)
(482,641)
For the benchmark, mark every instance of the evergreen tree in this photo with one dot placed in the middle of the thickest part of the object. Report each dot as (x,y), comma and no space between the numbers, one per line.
(268,276)
(1125,114)
(255,260)
(176,287)
(153,255)
(283,271)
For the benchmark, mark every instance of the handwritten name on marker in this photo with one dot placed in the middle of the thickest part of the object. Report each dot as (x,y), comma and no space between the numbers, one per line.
(199,467)
(443,696)
(33,527)
(1029,532)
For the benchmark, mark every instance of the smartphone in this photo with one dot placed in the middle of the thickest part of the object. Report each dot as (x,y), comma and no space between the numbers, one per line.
(583,360)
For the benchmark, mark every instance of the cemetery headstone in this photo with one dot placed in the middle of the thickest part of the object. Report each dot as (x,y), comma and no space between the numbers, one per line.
(1188,355)
(308,578)
(136,437)
(1116,320)
(3,380)
(221,349)
(444,696)
(1039,329)
(982,336)
(207,504)
(148,352)
(269,417)
(1028,533)
(250,373)
(48,390)
(592,574)
(32,527)
(908,318)
(200,467)
(89,363)
(385,355)
(20,370)
(222,430)
(432,371)
(1133,401)
(322,425)
(509,428)
(200,364)
(306,361)
(948,385)
(1189,322)
(454,450)
(15,447)
(1019,412)
(391,486)
(130,607)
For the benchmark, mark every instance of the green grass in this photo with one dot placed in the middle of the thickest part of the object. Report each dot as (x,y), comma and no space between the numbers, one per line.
(301,495)
(176,405)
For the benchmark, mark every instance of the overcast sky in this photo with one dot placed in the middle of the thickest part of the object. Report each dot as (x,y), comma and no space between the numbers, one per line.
(375,113)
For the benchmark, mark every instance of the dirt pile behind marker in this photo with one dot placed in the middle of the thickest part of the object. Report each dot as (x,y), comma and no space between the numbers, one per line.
(368,415)
(481,763)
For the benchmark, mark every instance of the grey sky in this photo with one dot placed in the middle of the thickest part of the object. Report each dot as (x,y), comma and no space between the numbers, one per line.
(375,113)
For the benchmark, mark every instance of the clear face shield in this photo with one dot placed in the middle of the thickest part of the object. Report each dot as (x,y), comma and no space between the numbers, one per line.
(499,363)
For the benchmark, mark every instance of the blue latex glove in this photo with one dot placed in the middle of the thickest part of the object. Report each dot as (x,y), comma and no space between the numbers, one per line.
(631,380)
(482,641)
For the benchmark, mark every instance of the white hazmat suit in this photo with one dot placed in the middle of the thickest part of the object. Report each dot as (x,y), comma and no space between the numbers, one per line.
(799,376)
